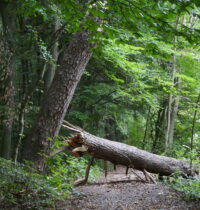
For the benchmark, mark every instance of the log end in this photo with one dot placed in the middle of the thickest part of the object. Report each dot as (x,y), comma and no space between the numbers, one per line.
(79,151)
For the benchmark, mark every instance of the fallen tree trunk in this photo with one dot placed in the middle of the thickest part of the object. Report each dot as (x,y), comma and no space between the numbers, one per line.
(118,153)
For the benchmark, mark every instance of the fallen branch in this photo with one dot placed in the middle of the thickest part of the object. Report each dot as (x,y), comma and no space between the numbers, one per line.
(148,177)
(138,176)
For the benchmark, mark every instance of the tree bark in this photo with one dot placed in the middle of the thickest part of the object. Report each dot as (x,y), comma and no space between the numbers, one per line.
(173,102)
(58,97)
(7,93)
(158,128)
(174,113)
(193,130)
(6,99)
(146,128)
(119,153)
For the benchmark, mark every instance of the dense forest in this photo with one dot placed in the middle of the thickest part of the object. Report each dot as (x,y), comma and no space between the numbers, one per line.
(123,70)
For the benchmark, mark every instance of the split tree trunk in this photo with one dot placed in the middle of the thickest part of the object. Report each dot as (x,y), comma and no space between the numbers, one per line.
(119,153)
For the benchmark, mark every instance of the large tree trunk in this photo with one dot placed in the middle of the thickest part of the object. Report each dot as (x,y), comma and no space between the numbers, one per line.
(7,28)
(119,153)
(58,97)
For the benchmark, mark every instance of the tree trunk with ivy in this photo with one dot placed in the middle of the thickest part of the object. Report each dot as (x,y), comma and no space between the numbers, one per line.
(49,75)
(57,99)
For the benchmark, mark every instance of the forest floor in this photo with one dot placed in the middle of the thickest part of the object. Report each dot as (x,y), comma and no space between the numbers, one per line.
(121,192)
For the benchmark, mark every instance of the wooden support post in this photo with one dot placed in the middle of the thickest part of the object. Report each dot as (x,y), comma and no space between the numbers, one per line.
(127,170)
(105,168)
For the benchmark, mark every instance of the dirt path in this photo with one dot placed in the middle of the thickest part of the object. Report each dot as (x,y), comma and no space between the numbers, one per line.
(120,192)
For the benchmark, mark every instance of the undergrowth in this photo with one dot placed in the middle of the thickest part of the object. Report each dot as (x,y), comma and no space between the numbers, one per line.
(190,187)
(21,187)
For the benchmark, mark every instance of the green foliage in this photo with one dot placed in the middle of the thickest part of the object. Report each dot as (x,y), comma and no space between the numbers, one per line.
(130,69)
(129,74)
(23,188)
(189,187)
(65,169)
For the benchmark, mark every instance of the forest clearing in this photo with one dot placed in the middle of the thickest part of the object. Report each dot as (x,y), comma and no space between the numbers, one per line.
(99,86)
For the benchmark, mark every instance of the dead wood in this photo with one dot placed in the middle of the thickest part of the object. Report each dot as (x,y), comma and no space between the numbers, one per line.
(148,177)
(118,153)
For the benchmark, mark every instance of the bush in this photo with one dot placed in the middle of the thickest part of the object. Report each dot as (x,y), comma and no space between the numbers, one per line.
(189,187)
(65,168)
(22,188)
